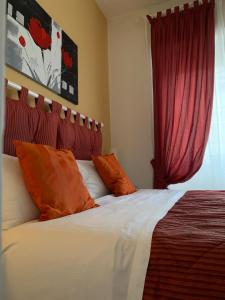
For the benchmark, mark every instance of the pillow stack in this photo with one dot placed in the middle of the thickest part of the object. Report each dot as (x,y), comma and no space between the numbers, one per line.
(113,175)
(53,179)
(54,185)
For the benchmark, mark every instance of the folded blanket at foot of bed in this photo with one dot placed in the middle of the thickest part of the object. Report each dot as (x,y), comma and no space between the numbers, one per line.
(187,258)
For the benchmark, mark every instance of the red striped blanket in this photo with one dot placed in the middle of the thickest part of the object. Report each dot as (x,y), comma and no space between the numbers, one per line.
(188,250)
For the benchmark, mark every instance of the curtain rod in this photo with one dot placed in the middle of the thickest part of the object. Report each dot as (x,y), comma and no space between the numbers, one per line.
(188,4)
(48,101)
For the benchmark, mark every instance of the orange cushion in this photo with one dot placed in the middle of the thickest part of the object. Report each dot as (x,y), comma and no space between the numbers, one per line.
(53,179)
(113,175)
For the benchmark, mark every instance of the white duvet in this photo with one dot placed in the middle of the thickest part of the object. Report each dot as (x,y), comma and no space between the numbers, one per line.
(99,254)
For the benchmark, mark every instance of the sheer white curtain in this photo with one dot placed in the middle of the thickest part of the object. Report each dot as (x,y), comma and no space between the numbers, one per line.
(212,173)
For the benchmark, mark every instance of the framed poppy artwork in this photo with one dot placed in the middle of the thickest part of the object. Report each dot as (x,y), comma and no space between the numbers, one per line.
(38,47)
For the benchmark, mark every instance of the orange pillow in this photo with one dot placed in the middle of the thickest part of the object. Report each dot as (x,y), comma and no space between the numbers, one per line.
(53,179)
(113,175)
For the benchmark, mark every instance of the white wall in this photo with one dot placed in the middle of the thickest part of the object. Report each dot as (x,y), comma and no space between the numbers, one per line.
(130,97)
(131,91)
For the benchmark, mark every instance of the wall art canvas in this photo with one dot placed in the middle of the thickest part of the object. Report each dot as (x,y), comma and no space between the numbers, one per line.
(38,47)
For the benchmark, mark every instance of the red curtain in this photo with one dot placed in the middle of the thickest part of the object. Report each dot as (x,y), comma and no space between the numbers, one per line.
(183,77)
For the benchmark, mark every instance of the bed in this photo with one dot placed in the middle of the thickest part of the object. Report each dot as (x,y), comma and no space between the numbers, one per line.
(105,253)
(151,244)
(99,254)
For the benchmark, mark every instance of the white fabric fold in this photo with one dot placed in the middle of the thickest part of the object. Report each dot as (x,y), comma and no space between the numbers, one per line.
(99,254)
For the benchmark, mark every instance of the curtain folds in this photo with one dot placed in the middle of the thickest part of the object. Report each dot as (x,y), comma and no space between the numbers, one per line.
(212,173)
(183,78)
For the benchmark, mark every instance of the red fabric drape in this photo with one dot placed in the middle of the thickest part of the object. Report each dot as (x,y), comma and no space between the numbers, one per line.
(66,132)
(20,122)
(46,132)
(34,125)
(183,77)
(96,139)
(82,146)
(80,139)
(29,124)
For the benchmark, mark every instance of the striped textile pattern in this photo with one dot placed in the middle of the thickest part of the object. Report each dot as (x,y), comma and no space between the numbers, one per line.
(34,125)
(66,132)
(188,250)
(47,127)
(82,146)
(80,139)
(96,139)
(21,122)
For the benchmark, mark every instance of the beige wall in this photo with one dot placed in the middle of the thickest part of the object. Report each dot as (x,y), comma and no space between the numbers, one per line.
(2,61)
(131,91)
(86,25)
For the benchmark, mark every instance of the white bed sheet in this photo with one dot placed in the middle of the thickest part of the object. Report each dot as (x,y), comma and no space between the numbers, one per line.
(99,254)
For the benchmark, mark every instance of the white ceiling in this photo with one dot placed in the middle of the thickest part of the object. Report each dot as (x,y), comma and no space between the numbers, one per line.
(113,8)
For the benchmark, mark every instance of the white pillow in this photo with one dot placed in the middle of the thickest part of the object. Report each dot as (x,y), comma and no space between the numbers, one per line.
(18,206)
(91,179)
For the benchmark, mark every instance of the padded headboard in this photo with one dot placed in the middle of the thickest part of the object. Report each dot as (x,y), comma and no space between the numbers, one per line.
(34,125)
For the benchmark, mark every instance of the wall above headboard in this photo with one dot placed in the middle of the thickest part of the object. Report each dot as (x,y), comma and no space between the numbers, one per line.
(86,25)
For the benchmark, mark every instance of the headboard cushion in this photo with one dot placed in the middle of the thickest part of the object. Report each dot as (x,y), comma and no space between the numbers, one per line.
(66,132)
(82,147)
(96,139)
(34,125)
(21,122)
(47,127)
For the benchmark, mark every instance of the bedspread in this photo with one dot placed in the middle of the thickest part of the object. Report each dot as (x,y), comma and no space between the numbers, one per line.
(188,250)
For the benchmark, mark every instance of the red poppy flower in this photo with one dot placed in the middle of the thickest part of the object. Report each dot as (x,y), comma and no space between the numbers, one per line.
(22,41)
(39,35)
(58,35)
(67,59)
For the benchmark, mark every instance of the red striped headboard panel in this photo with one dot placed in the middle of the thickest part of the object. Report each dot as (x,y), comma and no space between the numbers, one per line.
(35,125)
